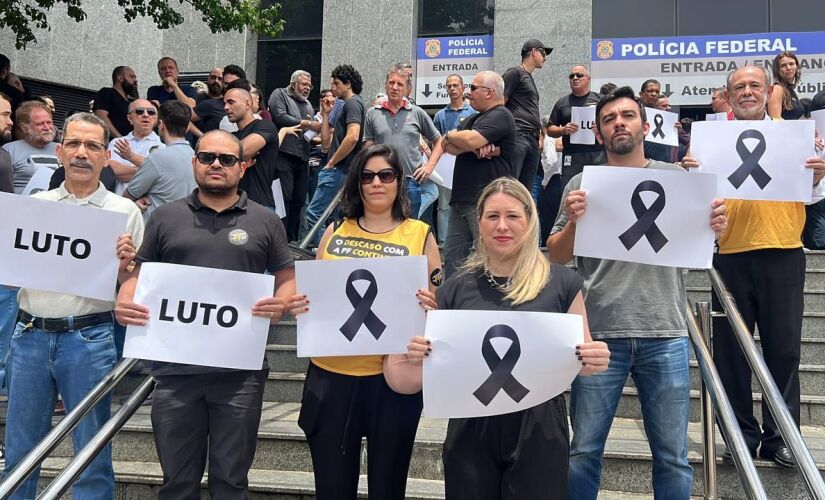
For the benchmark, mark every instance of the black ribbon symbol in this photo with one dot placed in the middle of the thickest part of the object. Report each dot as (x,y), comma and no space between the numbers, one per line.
(658,120)
(362,315)
(645,224)
(750,161)
(501,376)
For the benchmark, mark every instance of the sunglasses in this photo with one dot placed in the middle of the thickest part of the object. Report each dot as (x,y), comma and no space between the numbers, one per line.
(225,159)
(576,75)
(386,176)
(473,88)
(148,111)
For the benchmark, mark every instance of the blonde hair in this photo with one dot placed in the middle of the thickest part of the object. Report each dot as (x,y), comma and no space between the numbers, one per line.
(532,271)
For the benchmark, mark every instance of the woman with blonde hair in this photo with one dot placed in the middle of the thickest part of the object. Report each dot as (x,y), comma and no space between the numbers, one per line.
(783,101)
(522,454)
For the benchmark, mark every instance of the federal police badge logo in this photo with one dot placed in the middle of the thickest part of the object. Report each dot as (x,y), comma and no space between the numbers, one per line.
(604,49)
(238,237)
(432,48)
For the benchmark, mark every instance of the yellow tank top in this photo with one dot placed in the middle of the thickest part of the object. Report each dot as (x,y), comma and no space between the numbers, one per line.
(351,241)
(755,225)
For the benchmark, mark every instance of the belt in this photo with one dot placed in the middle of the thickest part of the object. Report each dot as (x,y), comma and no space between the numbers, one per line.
(63,325)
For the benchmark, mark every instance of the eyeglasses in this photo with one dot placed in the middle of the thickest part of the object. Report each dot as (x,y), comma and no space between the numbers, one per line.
(474,87)
(576,75)
(386,176)
(148,111)
(542,52)
(225,159)
(74,145)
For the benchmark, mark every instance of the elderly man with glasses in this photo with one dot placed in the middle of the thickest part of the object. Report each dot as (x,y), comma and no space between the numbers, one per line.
(575,156)
(129,152)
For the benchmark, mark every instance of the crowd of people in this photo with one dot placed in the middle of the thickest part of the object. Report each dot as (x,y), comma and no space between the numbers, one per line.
(189,165)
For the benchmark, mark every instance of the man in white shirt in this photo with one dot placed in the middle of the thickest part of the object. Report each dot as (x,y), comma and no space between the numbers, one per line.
(129,152)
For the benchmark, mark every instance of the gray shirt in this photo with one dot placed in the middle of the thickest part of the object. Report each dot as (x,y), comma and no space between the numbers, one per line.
(25,159)
(401,130)
(166,175)
(626,299)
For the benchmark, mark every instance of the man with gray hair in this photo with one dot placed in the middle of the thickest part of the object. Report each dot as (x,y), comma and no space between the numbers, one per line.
(289,107)
(35,149)
(484,145)
(719,101)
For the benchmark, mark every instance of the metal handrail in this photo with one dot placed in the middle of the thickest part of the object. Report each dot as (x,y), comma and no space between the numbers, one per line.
(333,204)
(83,458)
(770,393)
(39,453)
(726,418)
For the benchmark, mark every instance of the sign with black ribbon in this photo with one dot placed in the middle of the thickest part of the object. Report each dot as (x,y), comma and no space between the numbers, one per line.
(756,160)
(200,316)
(647,215)
(360,306)
(493,362)
(662,127)
(58,247)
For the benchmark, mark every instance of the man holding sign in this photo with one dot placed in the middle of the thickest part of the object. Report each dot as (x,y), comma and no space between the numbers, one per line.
(638,310)
(200,410)
(762,262)
(64,343)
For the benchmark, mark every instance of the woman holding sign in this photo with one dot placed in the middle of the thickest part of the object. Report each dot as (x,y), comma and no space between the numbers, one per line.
(347,398)
(523,454)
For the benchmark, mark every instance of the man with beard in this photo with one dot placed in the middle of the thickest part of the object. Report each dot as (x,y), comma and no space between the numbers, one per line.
(112,103)
(208,112)
(6,124)
(260,147)
(289,107)
(36,149)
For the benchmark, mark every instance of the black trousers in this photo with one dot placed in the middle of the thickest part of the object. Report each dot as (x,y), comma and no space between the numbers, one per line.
(214,414)
(294,175)
(336,412)
(515,456)
(767,286)
(526,158)
(548,206)
(574,163)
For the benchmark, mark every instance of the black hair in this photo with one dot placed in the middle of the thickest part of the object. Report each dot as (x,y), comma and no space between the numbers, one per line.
(175,116)
(5,63)
(352,205)
(240,83)
(348,74)
(607,88)
(234,69)
(649,82)
(619,93)
(116,73)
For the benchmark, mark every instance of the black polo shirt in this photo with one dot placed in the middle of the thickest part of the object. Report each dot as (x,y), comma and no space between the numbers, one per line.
(245,237)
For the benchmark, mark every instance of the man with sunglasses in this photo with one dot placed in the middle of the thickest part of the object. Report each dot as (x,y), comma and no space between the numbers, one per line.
(202,413)
(522,99)
(166,174)
(128,152)
(575,156)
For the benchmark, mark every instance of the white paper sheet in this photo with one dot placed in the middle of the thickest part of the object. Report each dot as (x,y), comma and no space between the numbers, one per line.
(457,369)
(662,130)
(443,173)
(212,339)
(278,196)
(684,221)
(585,118)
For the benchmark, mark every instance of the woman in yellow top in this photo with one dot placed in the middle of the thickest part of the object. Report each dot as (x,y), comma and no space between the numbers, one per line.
(347,397)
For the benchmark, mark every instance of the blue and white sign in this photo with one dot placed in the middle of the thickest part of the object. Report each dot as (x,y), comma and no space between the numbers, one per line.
(690,67)
(439,57)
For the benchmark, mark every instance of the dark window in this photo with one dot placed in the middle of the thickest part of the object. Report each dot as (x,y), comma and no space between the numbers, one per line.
(712,17)
(797,15)
(456,17)
(633,18)
(298,47)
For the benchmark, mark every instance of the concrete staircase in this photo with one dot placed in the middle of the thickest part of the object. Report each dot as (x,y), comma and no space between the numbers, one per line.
(282,468)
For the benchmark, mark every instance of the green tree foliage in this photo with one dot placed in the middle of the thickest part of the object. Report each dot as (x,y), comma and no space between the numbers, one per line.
(24,16)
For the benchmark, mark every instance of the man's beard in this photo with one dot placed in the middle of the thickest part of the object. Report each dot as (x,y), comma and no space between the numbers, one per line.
(623,146)
(130,90)
(33,137)
(5,136)
(218,190)
(215,89)
(296,94)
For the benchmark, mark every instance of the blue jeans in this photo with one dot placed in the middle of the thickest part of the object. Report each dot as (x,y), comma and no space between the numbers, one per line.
(660,370)
(429,194)
(462,234)
(814,234)
(414,194)
(330,181)
(443,214)
(8,317)
(526,158)
(41,365)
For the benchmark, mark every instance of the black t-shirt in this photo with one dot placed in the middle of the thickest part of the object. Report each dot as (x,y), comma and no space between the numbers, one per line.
(6,172)
(472,291)
(522,100)
(107,177)
(818,102)
(160,94)
(257,180)
(656,151)
(210,111)
(353,112)
(188,233)
(110,100)
(472,174)
(560,116)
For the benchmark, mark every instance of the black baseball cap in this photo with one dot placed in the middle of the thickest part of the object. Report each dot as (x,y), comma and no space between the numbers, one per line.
(531,44)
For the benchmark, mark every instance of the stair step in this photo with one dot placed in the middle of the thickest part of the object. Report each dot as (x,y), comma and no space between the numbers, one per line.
(814,300)
(814,278)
